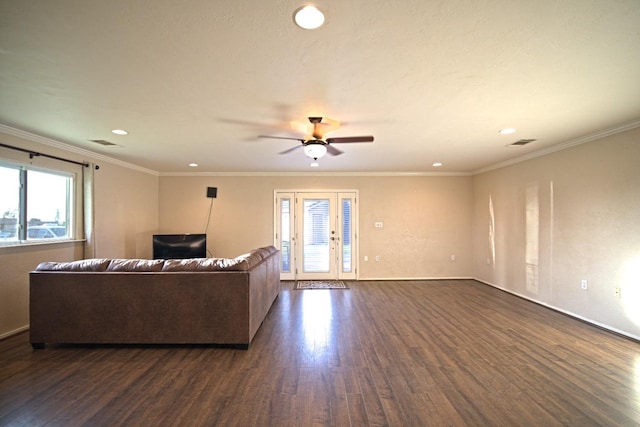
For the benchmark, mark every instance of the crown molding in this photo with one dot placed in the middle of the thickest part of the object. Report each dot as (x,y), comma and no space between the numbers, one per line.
(549,150)
(87,153)
(71,148)
(324,174)
(562,146)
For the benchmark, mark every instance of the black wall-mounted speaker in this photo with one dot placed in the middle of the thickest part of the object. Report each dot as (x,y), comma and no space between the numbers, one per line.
(212,192)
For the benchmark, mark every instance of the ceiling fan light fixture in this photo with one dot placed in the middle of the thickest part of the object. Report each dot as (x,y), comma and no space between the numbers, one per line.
(315,151)
(308,17)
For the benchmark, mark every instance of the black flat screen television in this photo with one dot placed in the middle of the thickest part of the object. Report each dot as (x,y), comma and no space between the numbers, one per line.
(179,246)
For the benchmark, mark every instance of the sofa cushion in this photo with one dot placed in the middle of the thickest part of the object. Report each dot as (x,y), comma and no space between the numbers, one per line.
(80,265)
(270,249)
(205,264)
(240,263)
(250,259)
(135,265)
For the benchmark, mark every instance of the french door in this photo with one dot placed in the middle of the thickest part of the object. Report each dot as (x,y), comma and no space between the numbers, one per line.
(316,235)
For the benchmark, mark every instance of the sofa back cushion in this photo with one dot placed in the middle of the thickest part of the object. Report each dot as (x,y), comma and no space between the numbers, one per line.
(240,263)
(202,264)
(135,265)
(81,265)
(243,262)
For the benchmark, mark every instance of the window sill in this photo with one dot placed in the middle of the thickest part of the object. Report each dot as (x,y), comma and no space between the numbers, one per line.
(27,243)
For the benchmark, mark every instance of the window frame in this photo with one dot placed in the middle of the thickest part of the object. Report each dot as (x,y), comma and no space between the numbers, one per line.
(72,204)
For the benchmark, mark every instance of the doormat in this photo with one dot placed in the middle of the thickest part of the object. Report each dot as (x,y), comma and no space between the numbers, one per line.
(319,284)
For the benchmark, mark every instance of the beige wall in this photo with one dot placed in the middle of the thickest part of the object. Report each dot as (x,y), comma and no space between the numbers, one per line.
(588,227)
(426,219)
(126,212)
(126,203)
(15,264)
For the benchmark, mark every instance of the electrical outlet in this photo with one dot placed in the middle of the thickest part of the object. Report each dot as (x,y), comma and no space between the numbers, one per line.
(377,258)
(617,292)
(453,257)
(366,258)
(583,284)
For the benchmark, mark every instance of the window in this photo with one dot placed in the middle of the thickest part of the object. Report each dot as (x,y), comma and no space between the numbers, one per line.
(346,235)
(35,205)
(285,246)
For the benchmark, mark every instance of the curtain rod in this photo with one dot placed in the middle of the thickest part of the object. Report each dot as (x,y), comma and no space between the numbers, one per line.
(33,154)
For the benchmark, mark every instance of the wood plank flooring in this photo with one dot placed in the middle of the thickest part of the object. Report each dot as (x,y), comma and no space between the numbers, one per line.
(406,353)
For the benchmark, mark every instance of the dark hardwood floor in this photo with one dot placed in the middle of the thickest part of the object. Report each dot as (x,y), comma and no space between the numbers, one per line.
(407,353)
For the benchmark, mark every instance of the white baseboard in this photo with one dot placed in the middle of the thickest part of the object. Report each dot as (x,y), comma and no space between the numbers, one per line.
(560,310)
(401,279)
(14,332)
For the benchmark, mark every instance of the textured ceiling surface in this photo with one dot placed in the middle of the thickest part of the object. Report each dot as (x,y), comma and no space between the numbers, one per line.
(199,80)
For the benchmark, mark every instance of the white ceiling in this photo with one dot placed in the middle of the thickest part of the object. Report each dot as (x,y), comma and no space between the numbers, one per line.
(432,80)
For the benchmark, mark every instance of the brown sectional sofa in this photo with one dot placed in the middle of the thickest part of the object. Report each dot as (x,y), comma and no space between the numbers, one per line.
(128,301)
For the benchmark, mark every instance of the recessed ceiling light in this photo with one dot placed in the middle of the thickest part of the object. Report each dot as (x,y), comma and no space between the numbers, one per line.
(308,17)
(506,131)
(193,165)
(119,132)
(437,164)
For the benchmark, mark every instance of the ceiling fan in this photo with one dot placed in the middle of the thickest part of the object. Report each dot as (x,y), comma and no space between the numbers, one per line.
(316,146)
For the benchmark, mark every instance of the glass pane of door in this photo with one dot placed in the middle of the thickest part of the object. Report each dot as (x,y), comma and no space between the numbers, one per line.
(284,234)
(347,248)
(317,255)
(316,218)
(346,235)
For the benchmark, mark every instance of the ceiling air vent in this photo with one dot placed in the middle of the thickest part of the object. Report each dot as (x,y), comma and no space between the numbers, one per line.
(522,142)
(103,142)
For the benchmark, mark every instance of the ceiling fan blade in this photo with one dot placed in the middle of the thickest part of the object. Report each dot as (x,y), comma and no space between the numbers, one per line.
(290,149)
(322,126)
(333,150)
(341,140)
(281,137)
(325,126)
(304,128)
(332,123)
